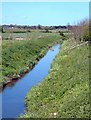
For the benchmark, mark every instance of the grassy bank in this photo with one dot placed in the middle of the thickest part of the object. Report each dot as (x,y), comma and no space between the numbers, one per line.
(18,56)
(64,93)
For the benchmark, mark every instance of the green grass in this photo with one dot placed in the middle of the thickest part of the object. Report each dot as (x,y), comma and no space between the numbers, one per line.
(65,91)
(17,56)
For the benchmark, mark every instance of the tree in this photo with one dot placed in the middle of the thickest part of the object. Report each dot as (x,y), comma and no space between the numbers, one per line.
(39,26)
(81,31)
(2,29)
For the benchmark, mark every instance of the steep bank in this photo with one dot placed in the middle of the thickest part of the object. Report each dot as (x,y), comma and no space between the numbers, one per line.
(65,91)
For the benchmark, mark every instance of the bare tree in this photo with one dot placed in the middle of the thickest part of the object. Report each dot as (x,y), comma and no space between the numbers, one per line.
(81,30)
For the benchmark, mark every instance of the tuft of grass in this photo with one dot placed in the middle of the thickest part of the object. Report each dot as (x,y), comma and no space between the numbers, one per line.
(64,93)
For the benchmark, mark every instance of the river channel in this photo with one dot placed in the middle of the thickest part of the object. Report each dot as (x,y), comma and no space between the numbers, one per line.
(13,97)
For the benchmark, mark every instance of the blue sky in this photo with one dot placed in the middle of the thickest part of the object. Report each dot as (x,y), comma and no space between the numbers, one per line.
(44,13)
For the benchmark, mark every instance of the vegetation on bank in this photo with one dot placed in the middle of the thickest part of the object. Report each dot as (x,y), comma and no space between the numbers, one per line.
(64,93)
(20,56)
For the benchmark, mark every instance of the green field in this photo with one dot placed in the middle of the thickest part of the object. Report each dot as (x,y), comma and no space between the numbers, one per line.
(33,34)
(64,93)
(20,55)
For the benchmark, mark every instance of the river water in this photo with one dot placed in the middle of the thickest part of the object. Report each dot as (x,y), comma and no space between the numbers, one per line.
(13,97)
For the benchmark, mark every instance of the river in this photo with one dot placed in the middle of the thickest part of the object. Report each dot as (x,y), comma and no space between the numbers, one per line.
(13,97)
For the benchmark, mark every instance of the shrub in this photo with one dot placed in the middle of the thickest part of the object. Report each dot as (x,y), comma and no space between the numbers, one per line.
(61,33)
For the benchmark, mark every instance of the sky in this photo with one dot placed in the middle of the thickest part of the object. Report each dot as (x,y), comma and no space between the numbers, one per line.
(44,13)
